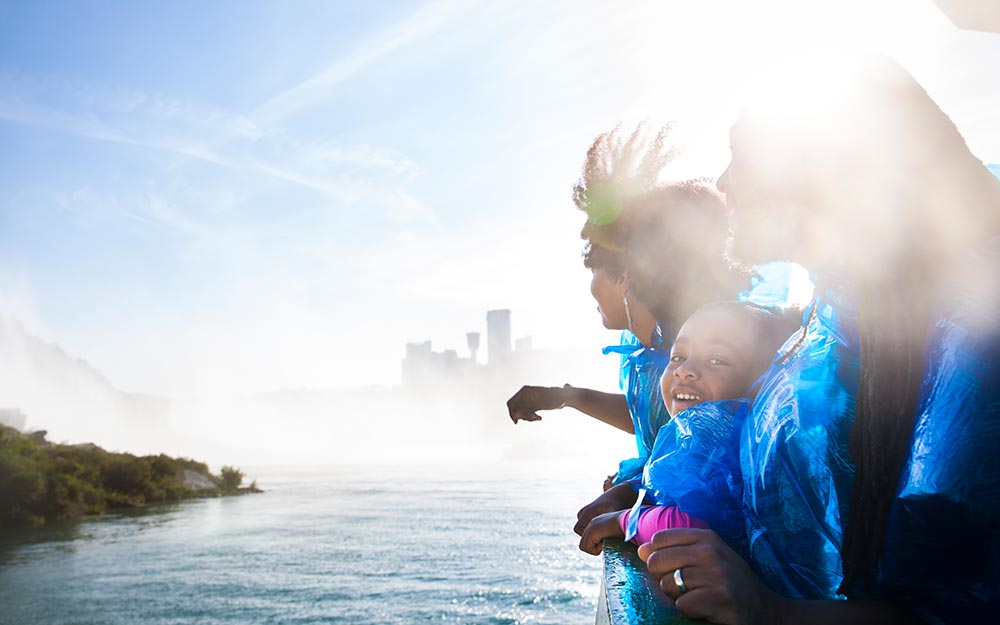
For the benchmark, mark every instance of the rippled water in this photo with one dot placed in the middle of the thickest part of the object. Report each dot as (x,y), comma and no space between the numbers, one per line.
(455,545)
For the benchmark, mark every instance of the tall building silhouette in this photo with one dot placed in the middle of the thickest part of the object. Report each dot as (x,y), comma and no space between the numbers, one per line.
(472,338)
(497,335)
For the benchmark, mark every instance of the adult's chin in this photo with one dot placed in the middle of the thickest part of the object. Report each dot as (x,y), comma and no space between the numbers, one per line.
(607,324)
(743,255)
(754,245)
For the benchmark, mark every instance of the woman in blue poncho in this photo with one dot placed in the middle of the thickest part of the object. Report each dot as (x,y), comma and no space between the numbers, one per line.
(869,457)
(635,227)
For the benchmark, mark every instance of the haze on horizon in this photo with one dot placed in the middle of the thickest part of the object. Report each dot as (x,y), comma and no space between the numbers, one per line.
(209,201)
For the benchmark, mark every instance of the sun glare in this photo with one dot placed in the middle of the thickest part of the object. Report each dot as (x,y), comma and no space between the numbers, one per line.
(675,68)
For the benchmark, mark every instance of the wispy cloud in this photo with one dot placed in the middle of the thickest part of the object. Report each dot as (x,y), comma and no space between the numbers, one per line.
(350,174)
(421,24)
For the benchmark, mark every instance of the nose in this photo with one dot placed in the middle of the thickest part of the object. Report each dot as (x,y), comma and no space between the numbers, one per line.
(686,371)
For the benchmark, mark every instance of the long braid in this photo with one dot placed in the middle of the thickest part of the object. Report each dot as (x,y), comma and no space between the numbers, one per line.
(898,293)
(893,325)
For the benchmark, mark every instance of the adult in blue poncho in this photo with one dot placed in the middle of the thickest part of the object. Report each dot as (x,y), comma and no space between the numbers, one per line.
(875,192)
(636,230)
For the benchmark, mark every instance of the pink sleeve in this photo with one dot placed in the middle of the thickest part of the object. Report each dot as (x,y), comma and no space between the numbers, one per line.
(655,518)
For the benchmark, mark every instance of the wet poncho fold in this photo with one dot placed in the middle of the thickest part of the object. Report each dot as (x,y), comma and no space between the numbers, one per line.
(943,536)
(695,466)
(797,474)
(641,368)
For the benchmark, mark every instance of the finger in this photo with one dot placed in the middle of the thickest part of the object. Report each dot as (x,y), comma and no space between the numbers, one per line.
(514,409)
(666,539)
(680,537)
(584,517)
(698,604)
(664,562)
(590,542)
(514,403)
(645,549)
(521,415)
(587,514)
(689,575)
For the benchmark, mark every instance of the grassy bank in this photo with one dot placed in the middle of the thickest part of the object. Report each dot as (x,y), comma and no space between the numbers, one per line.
(44,482)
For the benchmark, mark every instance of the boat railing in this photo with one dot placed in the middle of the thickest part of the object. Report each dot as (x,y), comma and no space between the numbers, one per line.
(630,595)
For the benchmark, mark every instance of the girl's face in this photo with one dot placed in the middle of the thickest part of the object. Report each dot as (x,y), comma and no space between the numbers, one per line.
(610,296)
(712,359)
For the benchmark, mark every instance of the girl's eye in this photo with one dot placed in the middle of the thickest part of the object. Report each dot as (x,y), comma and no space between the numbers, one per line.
(677,358)
(717,361)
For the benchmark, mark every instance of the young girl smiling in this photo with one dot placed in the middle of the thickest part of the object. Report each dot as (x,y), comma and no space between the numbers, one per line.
(693,474)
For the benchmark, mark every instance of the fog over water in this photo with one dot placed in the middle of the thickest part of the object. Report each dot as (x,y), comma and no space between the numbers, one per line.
(449,415)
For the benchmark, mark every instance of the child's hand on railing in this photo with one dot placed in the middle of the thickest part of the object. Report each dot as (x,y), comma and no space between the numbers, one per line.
(615,499)
(601,527)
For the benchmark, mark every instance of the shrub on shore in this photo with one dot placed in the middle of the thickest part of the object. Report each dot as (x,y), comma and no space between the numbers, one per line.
(43,482)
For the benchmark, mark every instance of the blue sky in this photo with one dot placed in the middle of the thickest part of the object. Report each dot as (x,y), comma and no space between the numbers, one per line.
(257,195)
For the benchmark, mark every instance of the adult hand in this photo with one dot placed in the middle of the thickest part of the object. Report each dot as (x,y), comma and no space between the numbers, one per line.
(601,527)
(525,403)
(615,499)
(721,588)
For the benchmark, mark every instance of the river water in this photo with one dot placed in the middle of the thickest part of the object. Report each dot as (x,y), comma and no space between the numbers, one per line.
(490,544)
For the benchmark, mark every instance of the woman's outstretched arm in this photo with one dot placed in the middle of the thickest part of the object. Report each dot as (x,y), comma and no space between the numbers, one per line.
(611,408)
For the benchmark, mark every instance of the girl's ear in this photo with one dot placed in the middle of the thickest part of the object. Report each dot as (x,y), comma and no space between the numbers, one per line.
(623,281)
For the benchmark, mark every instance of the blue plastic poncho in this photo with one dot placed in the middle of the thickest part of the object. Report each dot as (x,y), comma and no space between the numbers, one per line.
(797,474)
(943,536)
(695,466)
(772,284)
(641,368)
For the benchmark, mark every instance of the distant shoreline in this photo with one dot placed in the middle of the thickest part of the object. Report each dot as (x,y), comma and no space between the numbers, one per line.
(43,482)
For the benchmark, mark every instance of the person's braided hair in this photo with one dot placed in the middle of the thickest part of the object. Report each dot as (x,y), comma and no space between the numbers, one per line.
(899,283)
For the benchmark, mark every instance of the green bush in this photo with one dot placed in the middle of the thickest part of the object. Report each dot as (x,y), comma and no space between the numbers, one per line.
(42,482)
(22,485)
(231,479)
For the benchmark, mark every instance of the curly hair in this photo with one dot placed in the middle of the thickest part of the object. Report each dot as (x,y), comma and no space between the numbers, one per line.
(669,239)
(615,172)
(674,251)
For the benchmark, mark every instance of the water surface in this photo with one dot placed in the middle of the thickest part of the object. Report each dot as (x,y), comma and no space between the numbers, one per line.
(457,544)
